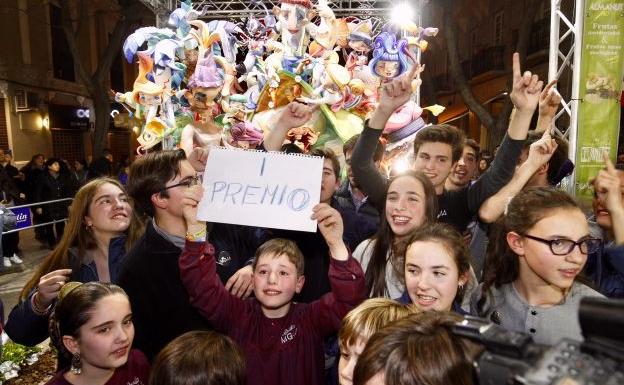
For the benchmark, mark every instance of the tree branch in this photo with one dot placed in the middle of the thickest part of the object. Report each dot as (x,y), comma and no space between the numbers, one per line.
(82,15)
(450,36)
(66,24)
(524,35)
(128,17)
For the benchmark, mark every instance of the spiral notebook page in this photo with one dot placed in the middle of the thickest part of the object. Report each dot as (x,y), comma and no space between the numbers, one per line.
(263,189)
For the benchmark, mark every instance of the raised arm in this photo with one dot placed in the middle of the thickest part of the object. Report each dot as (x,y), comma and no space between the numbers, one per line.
(391,96)
(332,228)
(540,153)
(27,323)
(198,270)
(25,326)
(345,274)
(367,175)
(294,115)
(608,187)
(548,105)
(525,97)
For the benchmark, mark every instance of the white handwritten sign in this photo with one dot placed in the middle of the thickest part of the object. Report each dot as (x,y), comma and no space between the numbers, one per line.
(263,189)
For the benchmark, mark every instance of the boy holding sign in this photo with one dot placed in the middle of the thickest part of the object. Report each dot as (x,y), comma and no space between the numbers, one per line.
(282,340)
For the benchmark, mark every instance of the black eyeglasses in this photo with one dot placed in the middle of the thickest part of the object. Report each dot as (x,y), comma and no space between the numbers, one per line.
(561,246)
(187,182)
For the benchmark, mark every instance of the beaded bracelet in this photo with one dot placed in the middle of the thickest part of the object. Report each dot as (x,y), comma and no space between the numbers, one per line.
(35,307)
(198,236)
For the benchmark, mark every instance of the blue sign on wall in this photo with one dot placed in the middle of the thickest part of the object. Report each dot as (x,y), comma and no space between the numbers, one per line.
(24,219)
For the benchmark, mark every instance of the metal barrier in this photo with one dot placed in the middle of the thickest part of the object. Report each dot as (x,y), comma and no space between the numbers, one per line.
(39,224)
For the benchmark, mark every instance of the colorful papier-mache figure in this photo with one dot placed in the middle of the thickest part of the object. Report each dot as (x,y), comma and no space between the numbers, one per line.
(296,32)
(390,57)
(244,135)
(261,40)
(211,81)
(289,57)
(360,42)
(146,99)
(204,87)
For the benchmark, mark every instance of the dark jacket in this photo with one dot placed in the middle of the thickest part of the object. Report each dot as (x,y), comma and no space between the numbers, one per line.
(456,208)
(27,328)
(278,351)
(359,223)
(53,188)
(99,168)
(235,247)
(606,269)
(160,304)
(32,175)
(9,191)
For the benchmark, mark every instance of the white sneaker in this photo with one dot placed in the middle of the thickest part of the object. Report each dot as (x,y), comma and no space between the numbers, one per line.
(16,259)
(6,261)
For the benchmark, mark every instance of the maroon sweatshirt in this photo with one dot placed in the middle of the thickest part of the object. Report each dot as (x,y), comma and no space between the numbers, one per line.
(278,351)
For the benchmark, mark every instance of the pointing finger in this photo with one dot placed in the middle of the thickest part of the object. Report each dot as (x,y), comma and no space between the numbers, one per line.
(549,86)
(516,67)
(609,165)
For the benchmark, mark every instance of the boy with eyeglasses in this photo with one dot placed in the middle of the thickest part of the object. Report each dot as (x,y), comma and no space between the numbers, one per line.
(159,184)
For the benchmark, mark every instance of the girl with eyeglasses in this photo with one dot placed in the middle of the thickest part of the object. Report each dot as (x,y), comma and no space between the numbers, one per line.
(533,260)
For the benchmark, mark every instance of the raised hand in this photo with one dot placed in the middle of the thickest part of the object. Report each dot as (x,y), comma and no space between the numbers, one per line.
(295,115)
(549,101)
(49,287)
(396,93)
(198,157)
(241,283)
(329,223)
(526,88)
(608,182)
(190,200)
(331,227)
(542,150)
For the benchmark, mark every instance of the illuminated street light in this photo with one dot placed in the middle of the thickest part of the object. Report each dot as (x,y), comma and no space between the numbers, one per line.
(402,14)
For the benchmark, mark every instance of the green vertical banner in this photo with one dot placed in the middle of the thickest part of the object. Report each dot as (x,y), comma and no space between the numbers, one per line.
(602,65)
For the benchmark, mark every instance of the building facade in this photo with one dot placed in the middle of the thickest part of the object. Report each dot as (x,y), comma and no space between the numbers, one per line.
(487,34)
(44,108)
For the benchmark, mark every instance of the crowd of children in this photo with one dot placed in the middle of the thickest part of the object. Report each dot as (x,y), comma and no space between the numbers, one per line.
(391,298)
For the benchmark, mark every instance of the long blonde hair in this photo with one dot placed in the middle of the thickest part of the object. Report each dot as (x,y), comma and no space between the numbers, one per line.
(77,235)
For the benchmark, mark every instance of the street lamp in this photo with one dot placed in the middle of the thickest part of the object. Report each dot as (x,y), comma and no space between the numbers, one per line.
(402,14)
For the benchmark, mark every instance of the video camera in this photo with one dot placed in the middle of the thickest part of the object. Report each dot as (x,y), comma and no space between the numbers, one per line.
(512,358)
